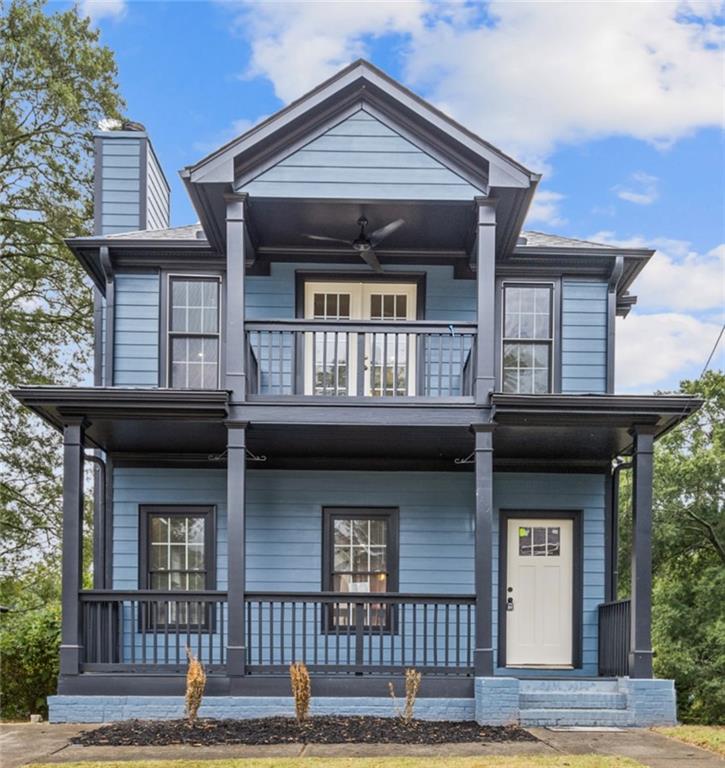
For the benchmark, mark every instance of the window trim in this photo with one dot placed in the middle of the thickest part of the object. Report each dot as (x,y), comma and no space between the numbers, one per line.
(167,333)
(392,515)
(553,329)
(146,511)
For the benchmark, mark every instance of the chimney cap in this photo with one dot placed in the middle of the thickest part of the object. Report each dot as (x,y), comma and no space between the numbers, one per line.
(112,124)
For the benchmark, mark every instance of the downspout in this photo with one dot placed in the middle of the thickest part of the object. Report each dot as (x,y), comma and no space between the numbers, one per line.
(99,522)
(613,583)
(614,277)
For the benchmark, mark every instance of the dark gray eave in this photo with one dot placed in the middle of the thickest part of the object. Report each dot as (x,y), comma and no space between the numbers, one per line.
(543,429)
(208,180)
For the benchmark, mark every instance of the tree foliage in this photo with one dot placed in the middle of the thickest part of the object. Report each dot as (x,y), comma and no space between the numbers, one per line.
(56,82)
(688,558)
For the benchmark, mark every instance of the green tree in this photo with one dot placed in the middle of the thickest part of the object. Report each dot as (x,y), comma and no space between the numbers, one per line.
(688,561)
(56,82)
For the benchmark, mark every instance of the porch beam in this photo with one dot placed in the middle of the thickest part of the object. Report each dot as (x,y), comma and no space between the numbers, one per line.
(640,653)
(235,380)
(483,551)
(236,501)
(72,558)
(485,288)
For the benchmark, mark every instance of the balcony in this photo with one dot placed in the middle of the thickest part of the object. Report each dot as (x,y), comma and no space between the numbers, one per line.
(361,359)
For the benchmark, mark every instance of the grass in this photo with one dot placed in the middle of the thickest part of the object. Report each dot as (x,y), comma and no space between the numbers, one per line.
(710,737)
(557,761)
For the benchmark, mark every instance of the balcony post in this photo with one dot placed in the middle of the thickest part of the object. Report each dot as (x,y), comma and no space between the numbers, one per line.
(640,647)
(236,490)
(235,375)
(485,286)
(483,550)
(72,557)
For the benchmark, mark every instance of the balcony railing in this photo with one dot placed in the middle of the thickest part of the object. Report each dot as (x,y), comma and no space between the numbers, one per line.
(614,629)
(361,358)
(333,633)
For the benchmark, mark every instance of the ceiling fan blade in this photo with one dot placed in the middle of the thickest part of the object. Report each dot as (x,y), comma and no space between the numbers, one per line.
(379,235)
(369,257)
(329,239)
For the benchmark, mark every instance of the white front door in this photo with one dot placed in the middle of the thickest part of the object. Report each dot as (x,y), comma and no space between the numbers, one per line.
(539,592)
(331,358)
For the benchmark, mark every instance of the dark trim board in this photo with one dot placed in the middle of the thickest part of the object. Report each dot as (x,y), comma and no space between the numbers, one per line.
(349,686)
(504,516)
(359,276)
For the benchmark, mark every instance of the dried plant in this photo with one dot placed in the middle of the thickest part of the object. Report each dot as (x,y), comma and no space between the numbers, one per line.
(195,685)
(412,686)
(301,690)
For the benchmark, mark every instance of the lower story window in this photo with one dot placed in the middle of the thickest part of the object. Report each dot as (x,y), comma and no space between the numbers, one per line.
(361,557)
(177,555)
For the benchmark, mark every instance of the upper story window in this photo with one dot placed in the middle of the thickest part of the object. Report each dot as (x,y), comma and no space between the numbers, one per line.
(194,332)
(527,338)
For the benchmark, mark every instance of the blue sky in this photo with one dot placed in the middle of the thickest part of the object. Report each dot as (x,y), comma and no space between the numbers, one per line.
(619,105)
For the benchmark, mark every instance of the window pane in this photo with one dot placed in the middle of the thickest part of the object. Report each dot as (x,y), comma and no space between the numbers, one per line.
(160,581)
(197,581)
(159,557)
(510,381)
(196,557)
(342,531)
(541,382)
(178,528)
(318,308)
(361,558)
(159,529)
(344,306)
(196,529)
(378,558)
(341,560)
(378,532)
(376,307)
(552,542)
(360,531)
(539,541)
(524,541)
(389,306)
(178,557)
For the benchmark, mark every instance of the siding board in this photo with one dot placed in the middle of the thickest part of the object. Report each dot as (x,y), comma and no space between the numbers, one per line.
(583,336)
(136,331)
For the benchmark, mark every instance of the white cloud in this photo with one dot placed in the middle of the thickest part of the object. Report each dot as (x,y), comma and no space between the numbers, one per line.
(525,75)
(103,9)
(296,45)
(656,351)
(677,277)
(641,190)
(545,209)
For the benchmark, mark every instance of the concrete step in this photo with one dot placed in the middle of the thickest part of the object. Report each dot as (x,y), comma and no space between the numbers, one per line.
(572,700)
(570,685)
(581,717)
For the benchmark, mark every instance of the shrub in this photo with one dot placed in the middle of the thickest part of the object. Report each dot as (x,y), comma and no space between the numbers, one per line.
(29,652)
(412,686)
(195,685)
(301,690)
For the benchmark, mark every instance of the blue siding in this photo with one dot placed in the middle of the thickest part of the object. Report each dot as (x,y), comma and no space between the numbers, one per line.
(120,170)
(361,157)
(517,491)
(448,299)
(136,331)
(157,193)
(583,336)
(284,525)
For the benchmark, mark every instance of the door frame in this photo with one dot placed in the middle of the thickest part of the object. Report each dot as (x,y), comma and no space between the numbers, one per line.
(356,276)
(575,515)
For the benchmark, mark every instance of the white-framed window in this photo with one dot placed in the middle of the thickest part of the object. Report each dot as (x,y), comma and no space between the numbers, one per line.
(194,332)
(526,360)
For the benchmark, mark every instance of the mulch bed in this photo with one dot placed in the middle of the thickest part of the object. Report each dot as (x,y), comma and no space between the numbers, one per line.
(285,730)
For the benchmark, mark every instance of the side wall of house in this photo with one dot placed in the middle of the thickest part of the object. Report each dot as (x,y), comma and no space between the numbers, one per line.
(136,330)
(284,525)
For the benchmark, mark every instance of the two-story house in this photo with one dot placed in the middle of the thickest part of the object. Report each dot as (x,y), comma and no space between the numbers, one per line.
(357,418)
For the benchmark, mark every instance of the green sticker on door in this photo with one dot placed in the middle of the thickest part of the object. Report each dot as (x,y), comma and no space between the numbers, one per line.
(523,532)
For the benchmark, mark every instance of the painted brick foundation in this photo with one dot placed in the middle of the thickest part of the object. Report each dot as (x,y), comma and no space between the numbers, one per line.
(103,709)
(497,700)
(651,702)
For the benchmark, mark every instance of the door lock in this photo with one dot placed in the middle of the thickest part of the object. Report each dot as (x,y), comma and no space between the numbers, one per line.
(510,604)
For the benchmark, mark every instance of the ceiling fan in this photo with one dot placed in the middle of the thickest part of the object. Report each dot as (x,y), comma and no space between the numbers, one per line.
(365,243)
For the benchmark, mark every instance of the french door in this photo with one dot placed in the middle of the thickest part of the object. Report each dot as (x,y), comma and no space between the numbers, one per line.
(333,357)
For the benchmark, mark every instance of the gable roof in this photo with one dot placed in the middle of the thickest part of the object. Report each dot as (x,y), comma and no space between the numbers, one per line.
(361,79)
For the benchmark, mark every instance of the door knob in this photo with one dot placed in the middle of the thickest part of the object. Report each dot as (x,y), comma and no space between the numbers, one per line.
(510,604)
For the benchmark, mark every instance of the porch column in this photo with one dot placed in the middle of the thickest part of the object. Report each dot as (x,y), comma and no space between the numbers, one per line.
(236,481)
(640,648)
(72,562)
(235,379)
(485,285)
(483,550)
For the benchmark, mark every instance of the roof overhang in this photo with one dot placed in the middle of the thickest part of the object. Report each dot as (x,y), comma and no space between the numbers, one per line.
(208,180)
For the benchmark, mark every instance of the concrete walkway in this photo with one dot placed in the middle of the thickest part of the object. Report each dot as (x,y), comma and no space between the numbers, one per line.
(25,743)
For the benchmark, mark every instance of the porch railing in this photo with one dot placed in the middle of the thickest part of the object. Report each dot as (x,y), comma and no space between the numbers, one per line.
(360,633)
(361,358)
(614,629)
(146,631)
